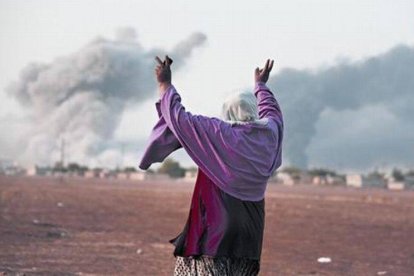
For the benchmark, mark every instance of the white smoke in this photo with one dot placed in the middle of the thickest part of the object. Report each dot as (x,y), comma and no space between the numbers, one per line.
(355,115)
(81,97)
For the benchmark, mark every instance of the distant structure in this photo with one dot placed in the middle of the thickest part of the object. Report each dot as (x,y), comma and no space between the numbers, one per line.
(141,176)
(285,179)
(62,153)
(354,180)
(359,180)
(38,171)
(392,184)
(138,175)
(332,180)
(95,173)
(9,167)
(105,173)
(319,180)
(409,181)
(395,182)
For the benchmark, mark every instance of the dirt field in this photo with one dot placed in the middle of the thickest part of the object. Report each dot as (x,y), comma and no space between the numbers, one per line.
(112,227)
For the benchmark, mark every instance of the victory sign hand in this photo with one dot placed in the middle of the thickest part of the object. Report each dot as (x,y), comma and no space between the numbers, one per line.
(262,75)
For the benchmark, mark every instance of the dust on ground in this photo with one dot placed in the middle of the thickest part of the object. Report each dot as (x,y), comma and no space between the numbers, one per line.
(77,226)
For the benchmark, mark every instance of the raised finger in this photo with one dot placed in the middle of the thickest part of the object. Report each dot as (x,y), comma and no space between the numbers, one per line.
(271,65)
(168,60)
(159,61)
(267,64)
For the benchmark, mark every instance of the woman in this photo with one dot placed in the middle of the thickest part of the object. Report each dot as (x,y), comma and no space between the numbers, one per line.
(236,156)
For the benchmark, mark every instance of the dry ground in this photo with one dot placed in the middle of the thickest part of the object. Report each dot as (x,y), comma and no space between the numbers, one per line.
(110,227)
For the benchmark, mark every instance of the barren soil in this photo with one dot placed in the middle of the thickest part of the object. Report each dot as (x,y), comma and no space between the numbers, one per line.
(78,226)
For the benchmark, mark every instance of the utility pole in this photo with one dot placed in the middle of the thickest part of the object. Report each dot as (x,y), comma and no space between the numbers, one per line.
(62,161)
(122,154)
(62,153)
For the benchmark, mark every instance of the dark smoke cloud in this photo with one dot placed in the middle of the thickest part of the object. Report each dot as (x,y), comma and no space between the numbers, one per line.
(360,110)
(82,96)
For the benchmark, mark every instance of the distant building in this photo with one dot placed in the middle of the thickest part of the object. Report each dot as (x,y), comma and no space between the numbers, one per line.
(36,170)
(395,185)
(138,175)
(335,180)
(359,180)
(409,181)
(319,180)
(105,173)
(9,167)
(354,180)
(142,175)
(285,179)
(92,173)
(327,180)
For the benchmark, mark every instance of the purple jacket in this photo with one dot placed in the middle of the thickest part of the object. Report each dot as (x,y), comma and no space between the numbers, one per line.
(238,158)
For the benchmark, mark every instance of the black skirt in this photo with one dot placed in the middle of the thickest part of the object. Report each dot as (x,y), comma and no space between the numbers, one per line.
(221,226)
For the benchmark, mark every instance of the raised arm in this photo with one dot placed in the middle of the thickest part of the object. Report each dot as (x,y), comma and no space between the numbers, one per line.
(162,142)
(163,138)
(267,105)
(202,137)
(237,158)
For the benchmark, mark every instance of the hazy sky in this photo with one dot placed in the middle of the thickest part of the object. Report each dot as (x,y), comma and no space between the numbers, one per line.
(240,36)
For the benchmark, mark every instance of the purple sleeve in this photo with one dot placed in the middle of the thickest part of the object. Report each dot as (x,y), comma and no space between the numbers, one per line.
(202,137)
(162,142)
(268,107)
(157,106)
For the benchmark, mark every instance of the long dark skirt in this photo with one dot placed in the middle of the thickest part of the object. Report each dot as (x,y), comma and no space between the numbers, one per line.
(215,266)
(223,235)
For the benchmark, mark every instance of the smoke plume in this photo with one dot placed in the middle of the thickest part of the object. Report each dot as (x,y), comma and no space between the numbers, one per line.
(355,115)
(81,97)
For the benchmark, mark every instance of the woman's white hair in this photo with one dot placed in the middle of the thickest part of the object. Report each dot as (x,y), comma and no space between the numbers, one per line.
(240,108)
